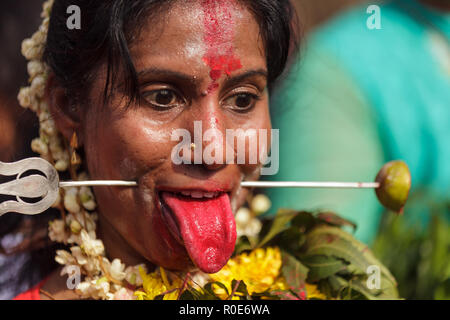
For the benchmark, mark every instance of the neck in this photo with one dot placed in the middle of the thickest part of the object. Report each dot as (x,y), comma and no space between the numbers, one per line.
(115,245)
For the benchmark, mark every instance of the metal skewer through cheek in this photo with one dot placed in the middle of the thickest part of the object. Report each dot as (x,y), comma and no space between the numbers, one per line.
(245,184)
(94,183)
(46,185)
(310,184)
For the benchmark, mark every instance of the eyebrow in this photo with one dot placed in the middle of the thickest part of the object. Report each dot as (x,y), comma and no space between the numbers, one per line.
(165,73)
(231,81)
(171,74)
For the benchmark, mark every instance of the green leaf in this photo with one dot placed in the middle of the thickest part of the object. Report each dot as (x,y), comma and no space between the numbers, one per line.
(326,287)
(334,242)
(209,286)
(242,245)
(321,241)
(294,272)
(335,220)
(253,240)
(372,294)
(267,294)
(291,240)
(304,221)
(337,284)
(321,266)
(209,293)
(191,294)
(368,255)
(279,224)
(285,295)
(241,288)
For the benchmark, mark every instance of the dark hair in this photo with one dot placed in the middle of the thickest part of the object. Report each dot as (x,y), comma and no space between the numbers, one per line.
(109,26)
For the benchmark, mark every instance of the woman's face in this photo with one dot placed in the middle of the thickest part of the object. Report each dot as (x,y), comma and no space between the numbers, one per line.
(199,62)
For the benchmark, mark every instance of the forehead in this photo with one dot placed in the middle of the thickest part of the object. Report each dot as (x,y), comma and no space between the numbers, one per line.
(188,31)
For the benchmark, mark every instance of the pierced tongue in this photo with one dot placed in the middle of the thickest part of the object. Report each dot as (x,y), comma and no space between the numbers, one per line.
(207,227)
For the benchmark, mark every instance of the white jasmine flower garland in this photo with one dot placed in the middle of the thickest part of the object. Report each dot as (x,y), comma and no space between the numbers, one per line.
(102,279)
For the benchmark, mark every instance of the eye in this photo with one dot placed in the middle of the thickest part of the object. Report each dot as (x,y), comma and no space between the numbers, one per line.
(163,98)
(242,102)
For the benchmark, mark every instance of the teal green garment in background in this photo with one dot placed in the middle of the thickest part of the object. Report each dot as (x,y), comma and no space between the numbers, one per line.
(357,98)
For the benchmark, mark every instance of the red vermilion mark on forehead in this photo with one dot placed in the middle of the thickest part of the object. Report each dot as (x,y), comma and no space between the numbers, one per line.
(219,33)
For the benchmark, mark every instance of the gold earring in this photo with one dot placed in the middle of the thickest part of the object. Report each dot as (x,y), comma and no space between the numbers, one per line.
(74,141)
(75,158)
(192,146)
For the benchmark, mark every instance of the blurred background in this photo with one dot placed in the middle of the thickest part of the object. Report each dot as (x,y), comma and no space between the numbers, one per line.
(353,99)
(313,13)
(372,84)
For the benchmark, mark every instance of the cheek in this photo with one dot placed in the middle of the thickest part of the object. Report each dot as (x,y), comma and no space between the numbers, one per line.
(258,140)
(129,148)
(125,148)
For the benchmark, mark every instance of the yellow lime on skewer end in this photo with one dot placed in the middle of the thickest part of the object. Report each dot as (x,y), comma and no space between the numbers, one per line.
(395,182)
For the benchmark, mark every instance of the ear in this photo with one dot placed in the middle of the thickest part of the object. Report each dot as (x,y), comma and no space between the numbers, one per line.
(66,114)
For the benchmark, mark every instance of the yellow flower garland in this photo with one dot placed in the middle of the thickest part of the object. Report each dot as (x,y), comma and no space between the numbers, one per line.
(155,284)
(260,270)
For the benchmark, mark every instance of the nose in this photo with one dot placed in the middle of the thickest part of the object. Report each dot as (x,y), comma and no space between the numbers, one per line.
(214,145)
(209,131)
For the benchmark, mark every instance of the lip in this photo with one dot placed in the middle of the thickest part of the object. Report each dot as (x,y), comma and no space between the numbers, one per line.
(178,183)
(200,188)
